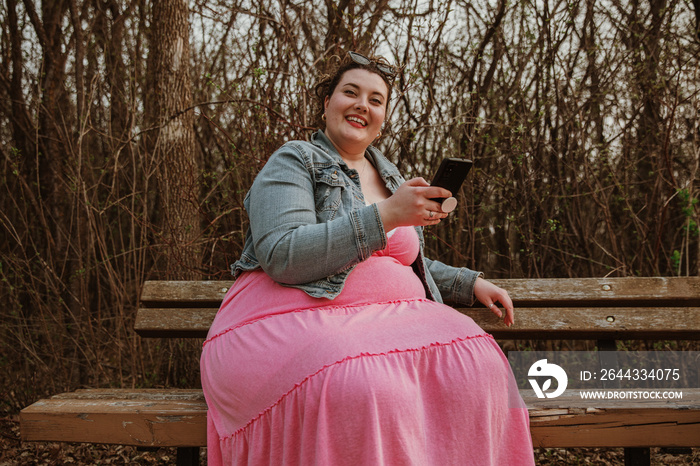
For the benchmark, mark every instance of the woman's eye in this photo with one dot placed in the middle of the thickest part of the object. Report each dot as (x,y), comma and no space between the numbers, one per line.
(348,92)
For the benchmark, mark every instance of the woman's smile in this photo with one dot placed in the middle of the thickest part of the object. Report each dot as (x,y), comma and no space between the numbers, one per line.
(357,121)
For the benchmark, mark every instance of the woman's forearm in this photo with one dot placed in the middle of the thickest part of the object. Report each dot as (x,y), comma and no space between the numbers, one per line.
(456,284)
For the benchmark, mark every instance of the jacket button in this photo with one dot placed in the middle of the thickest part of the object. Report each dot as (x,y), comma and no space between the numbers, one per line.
(334,175)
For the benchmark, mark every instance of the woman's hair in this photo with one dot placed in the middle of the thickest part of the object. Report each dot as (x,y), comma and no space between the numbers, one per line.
(328,82)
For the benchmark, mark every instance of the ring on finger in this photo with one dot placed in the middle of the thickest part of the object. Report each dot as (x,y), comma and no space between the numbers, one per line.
(431,214)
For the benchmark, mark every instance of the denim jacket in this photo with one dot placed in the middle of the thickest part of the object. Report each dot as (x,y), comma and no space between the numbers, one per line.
(309,225)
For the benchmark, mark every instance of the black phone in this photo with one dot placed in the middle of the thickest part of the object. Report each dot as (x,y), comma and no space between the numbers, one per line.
(451,174)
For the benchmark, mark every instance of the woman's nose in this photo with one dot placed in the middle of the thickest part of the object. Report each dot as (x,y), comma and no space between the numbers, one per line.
(361,103)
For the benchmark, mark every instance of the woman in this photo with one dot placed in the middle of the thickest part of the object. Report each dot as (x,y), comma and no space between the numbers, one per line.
(333,345)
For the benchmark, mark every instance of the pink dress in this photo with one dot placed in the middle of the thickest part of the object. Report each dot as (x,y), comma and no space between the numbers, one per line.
(379,376)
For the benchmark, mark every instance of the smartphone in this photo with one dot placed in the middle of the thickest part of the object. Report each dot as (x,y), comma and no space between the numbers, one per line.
(451,174)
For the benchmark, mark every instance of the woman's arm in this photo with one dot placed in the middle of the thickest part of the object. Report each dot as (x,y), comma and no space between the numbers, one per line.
(456,284)
(290,245)
(461,285)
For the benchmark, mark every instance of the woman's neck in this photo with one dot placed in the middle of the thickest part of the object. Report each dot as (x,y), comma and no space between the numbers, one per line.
(351,155)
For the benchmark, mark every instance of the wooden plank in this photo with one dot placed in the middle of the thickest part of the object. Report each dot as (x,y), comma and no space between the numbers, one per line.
(654,427)
(569,421)
(125,394)
(530,323)
(184,293)
(593,323)
(531,292)
(178,418)
(623,291)
(174,323)
(126,417)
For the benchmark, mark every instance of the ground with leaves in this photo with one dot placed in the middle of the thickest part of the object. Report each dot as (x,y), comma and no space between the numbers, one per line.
(14,452)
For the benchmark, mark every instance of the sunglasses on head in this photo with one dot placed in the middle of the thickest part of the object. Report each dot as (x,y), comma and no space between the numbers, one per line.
(388,70)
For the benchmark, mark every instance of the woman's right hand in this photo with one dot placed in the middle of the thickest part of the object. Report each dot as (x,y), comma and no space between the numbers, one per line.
(411,205)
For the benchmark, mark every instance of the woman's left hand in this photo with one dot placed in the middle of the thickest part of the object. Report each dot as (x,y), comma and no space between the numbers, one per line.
(489,294)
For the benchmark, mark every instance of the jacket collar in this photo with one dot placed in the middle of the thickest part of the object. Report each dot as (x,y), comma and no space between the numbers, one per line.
(381,163)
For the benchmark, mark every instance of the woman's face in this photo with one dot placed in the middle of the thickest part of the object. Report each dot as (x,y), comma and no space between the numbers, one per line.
(356,110)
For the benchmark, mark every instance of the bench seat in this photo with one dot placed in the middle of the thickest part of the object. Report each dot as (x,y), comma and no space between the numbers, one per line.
(601,309)
(177,418)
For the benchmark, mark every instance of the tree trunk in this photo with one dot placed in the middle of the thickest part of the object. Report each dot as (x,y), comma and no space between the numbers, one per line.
(174,145)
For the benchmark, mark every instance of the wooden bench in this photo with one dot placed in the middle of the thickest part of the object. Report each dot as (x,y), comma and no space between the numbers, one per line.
(604,310)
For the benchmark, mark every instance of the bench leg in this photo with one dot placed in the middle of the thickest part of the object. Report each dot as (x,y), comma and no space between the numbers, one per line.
(633,456)
(187,456)
(637,456)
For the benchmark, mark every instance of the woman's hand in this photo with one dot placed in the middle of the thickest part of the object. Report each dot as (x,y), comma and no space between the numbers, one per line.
(411,205)
(489,294)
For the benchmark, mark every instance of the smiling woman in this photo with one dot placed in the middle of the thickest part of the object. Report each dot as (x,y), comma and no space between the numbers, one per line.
(333,345)
(354,114)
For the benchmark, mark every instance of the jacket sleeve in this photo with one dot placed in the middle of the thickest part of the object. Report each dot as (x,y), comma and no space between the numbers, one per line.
(291,245)
(456,284)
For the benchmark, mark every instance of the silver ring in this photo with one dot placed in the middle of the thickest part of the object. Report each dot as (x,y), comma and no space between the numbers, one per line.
(491,305)
(431,214)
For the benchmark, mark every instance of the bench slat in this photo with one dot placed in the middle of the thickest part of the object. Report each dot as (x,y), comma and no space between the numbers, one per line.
(176,322)
(178,418)
(531,292)
(153,418)
(621,291)
(674,423)
(670,323)
(172,293)
(613,428)
(530,323)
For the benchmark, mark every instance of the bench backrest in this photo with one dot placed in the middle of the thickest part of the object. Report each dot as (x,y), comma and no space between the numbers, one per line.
(549,308)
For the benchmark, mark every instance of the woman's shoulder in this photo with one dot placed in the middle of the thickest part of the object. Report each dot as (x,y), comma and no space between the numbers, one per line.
(297,148)
(312,152)
(295,151)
